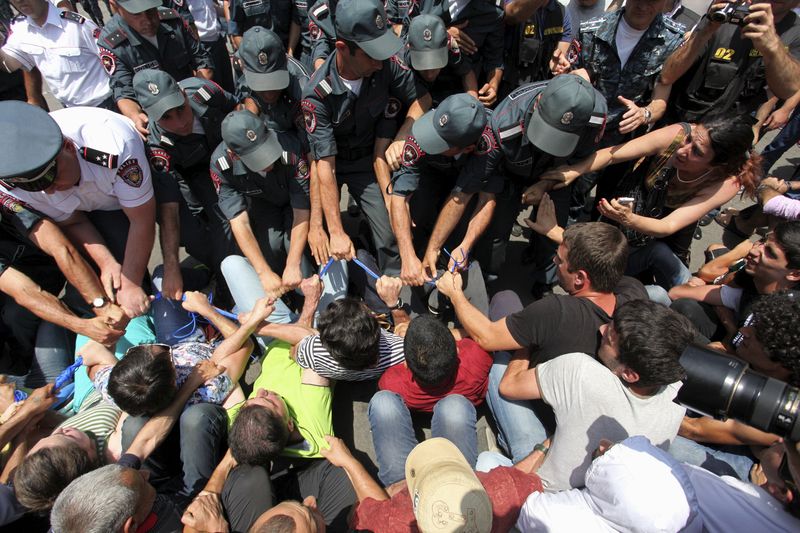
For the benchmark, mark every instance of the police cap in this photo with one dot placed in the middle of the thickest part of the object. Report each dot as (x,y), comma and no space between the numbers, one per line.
(31,142)
(264,59)
(457,123)
(364,23)
(427,42)
(138,6)
(157,92)
(248,137)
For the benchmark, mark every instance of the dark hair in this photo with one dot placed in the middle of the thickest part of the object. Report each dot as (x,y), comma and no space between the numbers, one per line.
(42,475)
(652,338)
(257,436)
(600,249)
(787,235)
(280,523)
(430,350)
(731,139)
(143,382)
(776,317)
(350,333)
(351,46)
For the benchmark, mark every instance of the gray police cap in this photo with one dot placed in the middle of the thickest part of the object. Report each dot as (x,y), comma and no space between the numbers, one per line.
(457,123)
(566,108)
(31,141)
(157,92)
(364,23)
(138,6)
(427,42)
(248,137)
(264,59)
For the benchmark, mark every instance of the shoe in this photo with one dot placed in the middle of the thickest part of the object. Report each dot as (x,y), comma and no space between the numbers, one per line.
(541,290)
(698,233)
(706,220)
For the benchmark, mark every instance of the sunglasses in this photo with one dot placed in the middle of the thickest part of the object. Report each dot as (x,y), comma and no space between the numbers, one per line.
(37,183)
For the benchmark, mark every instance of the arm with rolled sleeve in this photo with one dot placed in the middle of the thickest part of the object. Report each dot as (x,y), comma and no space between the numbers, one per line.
(299,197)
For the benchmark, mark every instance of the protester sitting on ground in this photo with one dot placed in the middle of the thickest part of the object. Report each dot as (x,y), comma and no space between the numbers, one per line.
(771,346)
(772,265)
(682,172)
(630,391)
(438,376)
(771,194)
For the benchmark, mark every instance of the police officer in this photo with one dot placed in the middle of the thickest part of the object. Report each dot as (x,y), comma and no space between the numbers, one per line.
(275,15)
(263,186)
(321,31)
(144,35)
(437,168)
(184,128)
(91,176)
(434,57)
(343,102)
(299,37)
(63,46)
(273,82)
(537,127)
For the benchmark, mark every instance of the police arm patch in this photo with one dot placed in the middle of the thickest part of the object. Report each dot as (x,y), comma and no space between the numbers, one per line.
(109,61)
(301,169)
(411,151)
(313,31)
(393,107)
(159,160)
(309,115)
(216,180)
(131,173)
(486,143)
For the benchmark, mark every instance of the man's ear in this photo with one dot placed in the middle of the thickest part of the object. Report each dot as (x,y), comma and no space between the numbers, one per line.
(581,280)
(793,275)
(628,375)
(290,425)
(130,525)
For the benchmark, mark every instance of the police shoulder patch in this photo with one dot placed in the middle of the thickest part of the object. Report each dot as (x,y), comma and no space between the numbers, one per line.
(166,13)
(510,132)
(109,61)
(103,159)
(309,115)
(216,180)
(223,163)
(96,33)
(10,204)
(487,142)
(313,31)
(159,160)
(115,38)
(411,152)
(73,16)
(301,169)
(393,107)
(131,173)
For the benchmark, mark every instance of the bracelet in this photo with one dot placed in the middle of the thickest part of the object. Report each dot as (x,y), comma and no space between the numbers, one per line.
(541,448)
(648,115)
(398,305)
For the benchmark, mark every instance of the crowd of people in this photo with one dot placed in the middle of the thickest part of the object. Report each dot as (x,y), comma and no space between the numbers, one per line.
(198,395)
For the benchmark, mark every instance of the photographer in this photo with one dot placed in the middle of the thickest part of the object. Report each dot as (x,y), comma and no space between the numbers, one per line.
(720,67)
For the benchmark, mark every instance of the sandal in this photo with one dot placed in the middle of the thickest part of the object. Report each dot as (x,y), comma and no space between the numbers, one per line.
(727,219)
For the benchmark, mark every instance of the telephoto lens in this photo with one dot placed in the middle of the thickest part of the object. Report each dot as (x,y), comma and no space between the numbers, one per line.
(722,387)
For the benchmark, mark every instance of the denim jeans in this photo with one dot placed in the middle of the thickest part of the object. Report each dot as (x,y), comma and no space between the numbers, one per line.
(788,135)
(657,256)
(722,460)
(488,461)
(454,418)
(54,351)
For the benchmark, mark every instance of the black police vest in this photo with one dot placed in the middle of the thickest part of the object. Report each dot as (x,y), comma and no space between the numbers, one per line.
(729,77)
(533,46)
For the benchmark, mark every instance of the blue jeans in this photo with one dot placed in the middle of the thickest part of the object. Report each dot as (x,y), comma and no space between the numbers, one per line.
(789,135)
(723,460)
(454,418)
(657,256)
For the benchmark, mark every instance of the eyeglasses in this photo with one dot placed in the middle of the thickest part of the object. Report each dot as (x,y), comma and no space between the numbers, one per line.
(40,182)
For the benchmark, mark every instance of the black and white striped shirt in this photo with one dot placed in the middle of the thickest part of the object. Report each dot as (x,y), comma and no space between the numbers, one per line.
(311,354)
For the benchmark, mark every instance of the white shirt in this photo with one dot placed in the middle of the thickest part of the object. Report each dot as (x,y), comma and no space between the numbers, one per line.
(353,85)
(205,19)
(626,40)
(66,54)
(100,188)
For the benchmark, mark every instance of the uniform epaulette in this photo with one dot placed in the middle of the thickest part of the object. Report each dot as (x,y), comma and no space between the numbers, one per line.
(115,38)
(74,17)
(510,132)
(205,93)
(323,88)
(321,11)
(166,140)
(103,159)
(224,163)
(591,25)
(674,26)
(165,13)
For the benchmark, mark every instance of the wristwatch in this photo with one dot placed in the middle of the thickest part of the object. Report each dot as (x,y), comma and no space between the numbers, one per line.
(398,305)
(99,302)
(647,114)
(541,448)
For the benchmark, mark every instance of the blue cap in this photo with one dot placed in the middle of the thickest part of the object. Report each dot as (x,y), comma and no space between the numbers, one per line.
(364,22)
(31,142)
(157,92)
(264,59)
(427,42)
(457,123)
(247,136)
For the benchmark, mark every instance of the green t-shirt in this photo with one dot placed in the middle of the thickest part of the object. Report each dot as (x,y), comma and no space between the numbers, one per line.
(309,405)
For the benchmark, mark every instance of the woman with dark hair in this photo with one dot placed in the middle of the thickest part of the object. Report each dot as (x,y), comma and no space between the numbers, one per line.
(681,172)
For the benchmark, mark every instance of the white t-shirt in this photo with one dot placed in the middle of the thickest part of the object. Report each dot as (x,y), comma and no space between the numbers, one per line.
(205,20)
(152,39)
(626,40)
(591,403)
(123,181)
(353,85)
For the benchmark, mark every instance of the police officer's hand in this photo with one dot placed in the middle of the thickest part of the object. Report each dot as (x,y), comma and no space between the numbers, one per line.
(172,284)
(394,154)
(465,42)
(411,271)
(487,95)
(388,289)
(98,330)
(620,213)
(450,284)
(111,278)
(113,316)
(272,283)
(559,64)
(140,120)
(342,247)
(533,194)
(133,300)
(318,242)
(429,263)
(292,277)
(778,118)
(760,28)
(459,259)
(311,287)
(633,117)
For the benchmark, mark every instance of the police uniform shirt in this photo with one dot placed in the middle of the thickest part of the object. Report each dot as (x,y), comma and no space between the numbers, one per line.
(113,166)
(206,20)
(448,77)
(275,15)
(65,50)
(636,79)
(532,44)
(341,123)
(17,250)
(402,11)
(241,189)
(124,52)
(300,17)
(486,28)
(512,154)
(285,114)
(321,30)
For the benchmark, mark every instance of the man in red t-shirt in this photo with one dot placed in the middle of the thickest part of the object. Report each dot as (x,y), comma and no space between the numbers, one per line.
(439,376)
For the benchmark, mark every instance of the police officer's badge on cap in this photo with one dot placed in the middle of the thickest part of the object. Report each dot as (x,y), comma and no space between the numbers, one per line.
(457,123)
(138,6)
(427,42)
(446,495)
(364,23)
(264,60)
(565,109)
(157,92)
(31,142)
(251,141)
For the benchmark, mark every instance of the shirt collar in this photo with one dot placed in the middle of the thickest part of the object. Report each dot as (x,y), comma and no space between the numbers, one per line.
(53,17)
(608,30)
(334,78)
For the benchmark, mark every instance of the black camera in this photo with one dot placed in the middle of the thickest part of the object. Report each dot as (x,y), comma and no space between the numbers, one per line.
(722,387)
(733,13)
